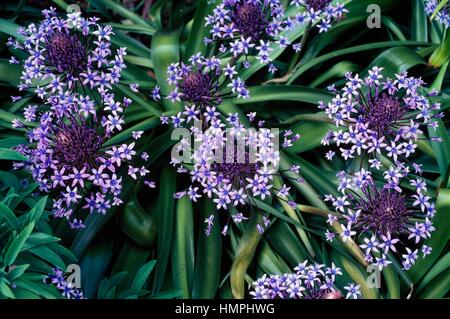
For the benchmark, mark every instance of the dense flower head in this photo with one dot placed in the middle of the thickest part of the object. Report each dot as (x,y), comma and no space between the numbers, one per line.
(320,13)
(249,18)
(384,218)
(201,84)
(67,53)
(58,278)
(67,155)
(378,115)
(245,25)
(231,163)
(314,281)
(443,15)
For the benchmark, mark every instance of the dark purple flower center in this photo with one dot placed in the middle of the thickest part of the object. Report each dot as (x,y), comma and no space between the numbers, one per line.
(234,171)
(196,87)
(76,145)
(383,211)
(65,52)
(382,114)
(318,4)
(249,18)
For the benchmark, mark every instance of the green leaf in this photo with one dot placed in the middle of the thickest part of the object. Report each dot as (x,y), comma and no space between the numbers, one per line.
(199,31)
(17,272)
(183,247)
(107,284)
(292,35)
(130,259)
(166,295)
(165,50)
(305,188)
(441,149)
(285,93)
(440,266)
(133,28)
(6,213)
(271,210)
(359,48)
(394,28)
(48,255)
(138,99)
(166,223)
(419,21)
(126,134)
(312,133)
(439,237)
(356,273)
(133,46)
(36,212)
(5,290)
(39,288)
(336,71)
(438,287)
(283,239)
(84,237)
(10,28)
(11,142)
(269,261)
(124,12)
(396,60)
(95,262)
(17,245)
(306,239)
(137,224)
(392,283)
(442,53)
(9,73)
(244,255)
(324,182)
(209,256)
(37,239)
(141,276)
(441,4)
(11,155)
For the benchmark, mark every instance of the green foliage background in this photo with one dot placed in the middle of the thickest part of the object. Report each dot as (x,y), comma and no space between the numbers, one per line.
(154,246)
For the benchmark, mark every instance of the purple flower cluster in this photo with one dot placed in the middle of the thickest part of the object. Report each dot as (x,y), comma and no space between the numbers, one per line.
(68,157)
(66,54)
(375,115)
(200,84)
(443,16)
(319,13)
(59,279)
(232,164)
(69,150)
(313,281)
(246,26)
(383,218)
(250,27)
